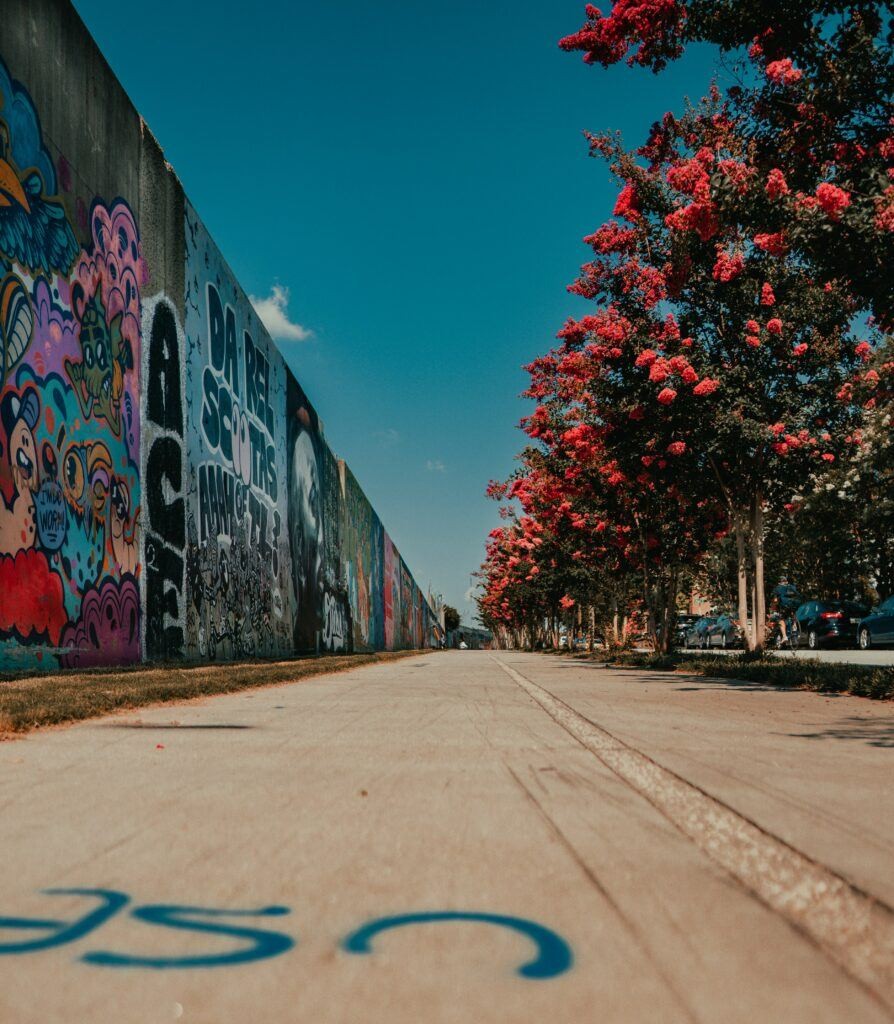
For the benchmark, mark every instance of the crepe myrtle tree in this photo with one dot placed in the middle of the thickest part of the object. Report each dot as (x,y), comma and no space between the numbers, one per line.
(720,343)
(523,582)
(609,431)
(599,579)
(814,103)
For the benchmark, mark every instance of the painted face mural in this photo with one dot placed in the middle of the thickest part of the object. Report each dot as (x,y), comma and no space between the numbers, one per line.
(321,607)
(69,423)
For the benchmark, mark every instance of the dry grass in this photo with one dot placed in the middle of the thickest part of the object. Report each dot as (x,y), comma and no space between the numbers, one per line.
(34,702)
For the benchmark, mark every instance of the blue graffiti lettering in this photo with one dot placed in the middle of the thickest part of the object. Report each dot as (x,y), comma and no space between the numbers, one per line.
(62,932)
(264,944)
(554,955)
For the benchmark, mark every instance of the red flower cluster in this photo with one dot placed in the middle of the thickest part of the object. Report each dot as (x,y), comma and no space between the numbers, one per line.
(653,24)
(700,217)
(775,244)
(783,72)
(776,184)
(833,200)
(627,205)
(728,267)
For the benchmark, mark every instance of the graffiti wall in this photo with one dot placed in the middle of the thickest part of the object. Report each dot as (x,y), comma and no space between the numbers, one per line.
(322,614)
(70,329)
(166,489)
(237,548)
(361,561)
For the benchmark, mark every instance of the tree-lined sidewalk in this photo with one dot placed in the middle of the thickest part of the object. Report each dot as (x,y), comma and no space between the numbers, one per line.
(736,361)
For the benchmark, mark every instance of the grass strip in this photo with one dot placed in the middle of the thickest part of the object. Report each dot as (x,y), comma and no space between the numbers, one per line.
(794,673)
(32,702)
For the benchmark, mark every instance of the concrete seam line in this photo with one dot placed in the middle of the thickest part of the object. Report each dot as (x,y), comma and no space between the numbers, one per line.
(853,928)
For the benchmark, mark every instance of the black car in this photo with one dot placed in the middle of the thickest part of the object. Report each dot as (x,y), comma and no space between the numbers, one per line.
(828,622)
(725,631)
(685,622)
(698,633)
(877,628)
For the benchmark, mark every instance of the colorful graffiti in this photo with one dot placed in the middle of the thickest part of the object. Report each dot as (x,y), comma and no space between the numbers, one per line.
(70,336)
(166,490)
(358,537)
(237,552)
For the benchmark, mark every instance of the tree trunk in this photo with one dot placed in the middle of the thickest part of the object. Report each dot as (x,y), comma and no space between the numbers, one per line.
(742,579)
(757,547)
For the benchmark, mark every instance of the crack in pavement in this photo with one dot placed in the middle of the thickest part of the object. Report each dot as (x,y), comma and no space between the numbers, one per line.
(626,922)
(854,929)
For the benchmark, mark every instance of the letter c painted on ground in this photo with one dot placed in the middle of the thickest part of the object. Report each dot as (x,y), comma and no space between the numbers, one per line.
(554,955)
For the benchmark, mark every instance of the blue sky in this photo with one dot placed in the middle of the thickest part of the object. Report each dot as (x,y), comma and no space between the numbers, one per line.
(415,176)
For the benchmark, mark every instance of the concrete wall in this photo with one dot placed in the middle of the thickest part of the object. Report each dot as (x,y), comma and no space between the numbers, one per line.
(166,490)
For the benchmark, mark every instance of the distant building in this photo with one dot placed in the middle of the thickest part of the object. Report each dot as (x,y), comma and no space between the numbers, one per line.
(477,639)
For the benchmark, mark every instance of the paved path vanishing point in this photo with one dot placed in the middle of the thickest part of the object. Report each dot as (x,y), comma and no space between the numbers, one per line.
(459,837)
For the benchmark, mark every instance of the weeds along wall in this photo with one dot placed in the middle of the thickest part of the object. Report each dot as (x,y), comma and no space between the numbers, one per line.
(166,489)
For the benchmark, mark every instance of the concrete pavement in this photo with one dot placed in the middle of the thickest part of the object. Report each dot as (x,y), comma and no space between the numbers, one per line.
(643,847)
(879,657)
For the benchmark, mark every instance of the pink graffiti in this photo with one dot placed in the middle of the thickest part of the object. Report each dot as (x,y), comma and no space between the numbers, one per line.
(108,631)
(55,332)
(117,263)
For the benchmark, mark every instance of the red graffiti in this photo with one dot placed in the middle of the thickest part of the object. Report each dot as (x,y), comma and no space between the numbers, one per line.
(31,604)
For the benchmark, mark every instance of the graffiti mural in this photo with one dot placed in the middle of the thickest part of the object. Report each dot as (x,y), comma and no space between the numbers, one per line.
(322,620)
(166,489)
(70,318)
(358,545)
(164,481)
(237,546)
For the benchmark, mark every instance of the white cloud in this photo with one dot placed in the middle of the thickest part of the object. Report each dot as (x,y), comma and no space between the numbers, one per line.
(388,438)
(435,466)
(274,314)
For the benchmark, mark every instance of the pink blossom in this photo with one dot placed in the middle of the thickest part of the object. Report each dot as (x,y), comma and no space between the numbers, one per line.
(799,350)
(777,429)
(706,387)
(776,184)
(567,602)
(827,457)
(752,326)
(767,296)
(752,340)
(775,244)
(646,357)
(774,326)
(833,200)
(627,204)
(863,350)
(659,372)
(689,376)
(666,396)
(783,72)
(676,448)
(727,268)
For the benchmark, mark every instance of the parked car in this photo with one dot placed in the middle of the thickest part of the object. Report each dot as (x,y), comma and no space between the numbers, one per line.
(685,622)
(878,627)
(725,631)
(828,622)
(698,634)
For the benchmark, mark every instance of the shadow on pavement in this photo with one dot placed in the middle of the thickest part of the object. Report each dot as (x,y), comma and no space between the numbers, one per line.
(875,732)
